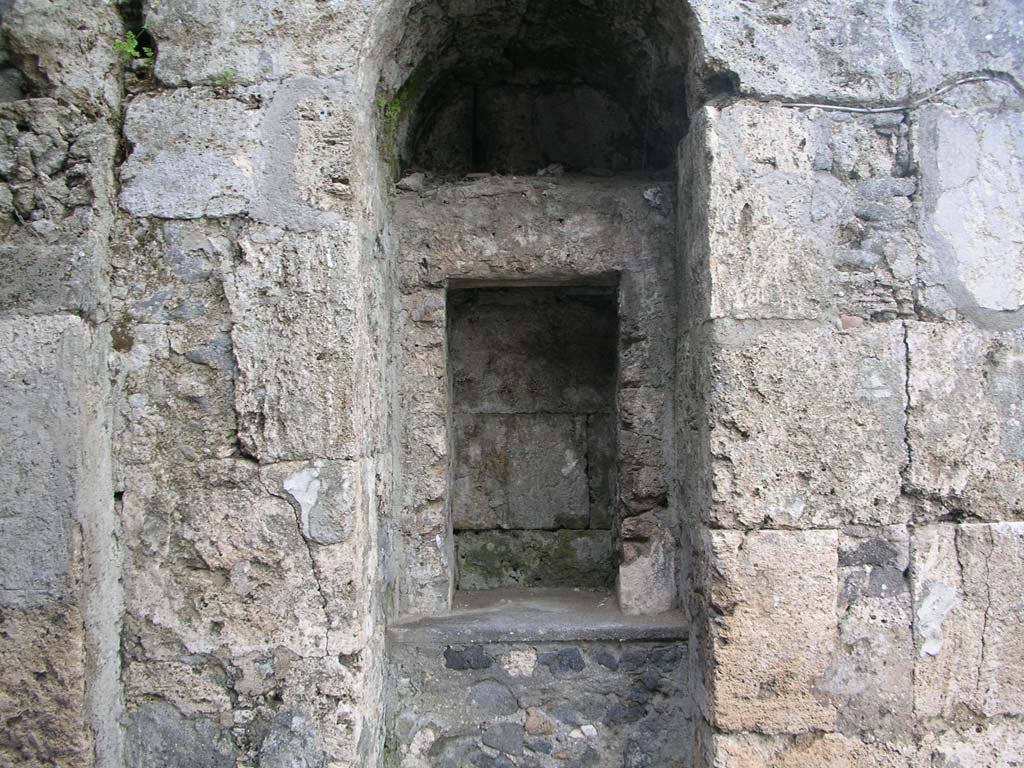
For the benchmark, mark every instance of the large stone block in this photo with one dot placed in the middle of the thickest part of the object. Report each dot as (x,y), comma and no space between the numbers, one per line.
(774,629)
(972,180)
(45,368)
(967,606)
(852,52)
(171,333)
(798,214)
(254,41)
(280,154)
(215,561)
(966,420)
(992,744)
(66,50)
(296,338)
(834,750)
(806,424)
(524,471)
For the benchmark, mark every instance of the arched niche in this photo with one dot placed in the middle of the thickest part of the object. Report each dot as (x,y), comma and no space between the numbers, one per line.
(511,86)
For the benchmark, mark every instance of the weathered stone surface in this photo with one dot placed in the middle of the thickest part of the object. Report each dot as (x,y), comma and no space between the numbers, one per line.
(646,581)
(65,50)
(533,350)
(43,678)
(997,744)
(774,636)
(967,608)
(863,51)
(965,420)
(295,338)
(806,424)
(970,217)
(172,338)
(808,215)
(158,735)
(531,558)
(521,472)
(56,190)
(42,369)
(189,537)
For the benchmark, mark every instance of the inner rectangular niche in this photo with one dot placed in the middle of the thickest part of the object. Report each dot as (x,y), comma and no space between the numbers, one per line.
(533,372)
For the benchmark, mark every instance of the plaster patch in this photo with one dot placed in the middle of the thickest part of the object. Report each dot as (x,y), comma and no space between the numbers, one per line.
(939,599)
(304,487)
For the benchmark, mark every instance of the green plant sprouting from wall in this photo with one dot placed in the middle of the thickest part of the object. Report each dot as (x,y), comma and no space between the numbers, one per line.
(130,49)
(394,110)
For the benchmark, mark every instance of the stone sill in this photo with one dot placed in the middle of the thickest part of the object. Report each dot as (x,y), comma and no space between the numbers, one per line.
(535,616)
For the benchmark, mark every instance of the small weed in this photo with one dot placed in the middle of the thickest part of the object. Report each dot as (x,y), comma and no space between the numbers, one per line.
(129,50)
(226,79)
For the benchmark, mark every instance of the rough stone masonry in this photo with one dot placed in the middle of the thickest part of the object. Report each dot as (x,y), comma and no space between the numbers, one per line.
(234,236)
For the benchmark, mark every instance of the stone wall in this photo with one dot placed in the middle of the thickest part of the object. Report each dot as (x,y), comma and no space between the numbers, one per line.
(846,480)
(220,368)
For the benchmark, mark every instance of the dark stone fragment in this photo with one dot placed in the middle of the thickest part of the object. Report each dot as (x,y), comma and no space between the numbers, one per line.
(482,760)
(639,694)
(651,680)
(633,660)
(886,582)
(641,749)
(564,661)
(472,657)
(567,715)
(667,656)
(606,660)
(876,551)
(540,746)
(624,713)
(504,737)
(493,697)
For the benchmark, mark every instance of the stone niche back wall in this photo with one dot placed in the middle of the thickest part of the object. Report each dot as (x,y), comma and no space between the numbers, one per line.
(533,430)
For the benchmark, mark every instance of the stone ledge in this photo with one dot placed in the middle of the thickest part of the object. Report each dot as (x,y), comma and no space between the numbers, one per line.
(536,615)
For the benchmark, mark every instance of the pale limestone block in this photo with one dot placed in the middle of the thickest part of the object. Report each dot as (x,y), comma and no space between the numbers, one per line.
(966,419)
(880,53)
(748,750)
(773,595)
(806,425)
(646,581)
